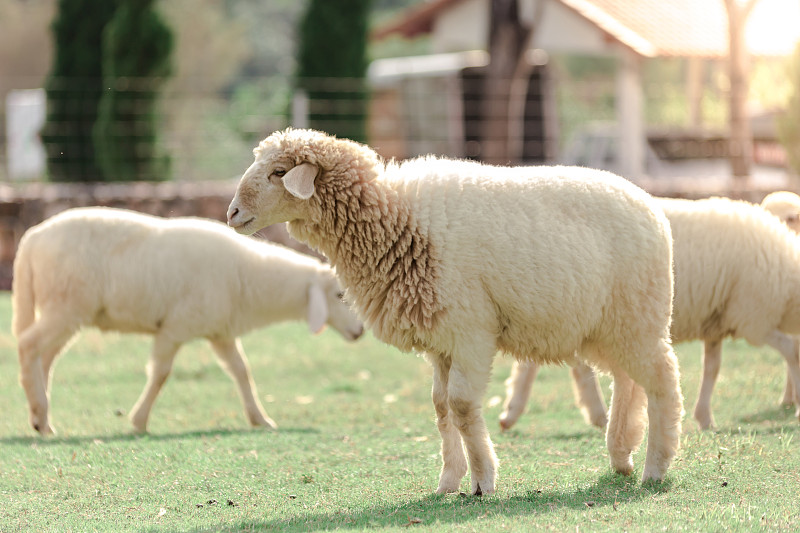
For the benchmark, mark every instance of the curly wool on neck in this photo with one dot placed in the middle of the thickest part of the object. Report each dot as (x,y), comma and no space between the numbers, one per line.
(389,264)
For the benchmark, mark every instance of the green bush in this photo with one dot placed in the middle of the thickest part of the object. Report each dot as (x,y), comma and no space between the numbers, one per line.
(74,87)
(136,60)
(332,63)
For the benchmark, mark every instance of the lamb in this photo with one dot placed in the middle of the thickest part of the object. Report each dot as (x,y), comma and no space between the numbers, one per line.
(737,273)
(458,260)
(176,279)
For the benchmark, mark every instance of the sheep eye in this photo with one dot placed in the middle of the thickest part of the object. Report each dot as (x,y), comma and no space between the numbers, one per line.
(340,295)
(279,173)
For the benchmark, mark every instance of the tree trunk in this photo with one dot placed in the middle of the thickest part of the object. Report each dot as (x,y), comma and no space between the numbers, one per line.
(506,84)
(741,138)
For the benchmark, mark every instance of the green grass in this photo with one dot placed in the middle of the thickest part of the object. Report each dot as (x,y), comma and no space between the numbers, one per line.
(358,449)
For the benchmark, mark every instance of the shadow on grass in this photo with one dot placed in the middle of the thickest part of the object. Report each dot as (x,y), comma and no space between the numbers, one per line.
(454,509)
(126,437)
(778,413)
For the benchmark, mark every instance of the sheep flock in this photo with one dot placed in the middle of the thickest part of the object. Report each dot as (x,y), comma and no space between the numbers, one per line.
(452,259)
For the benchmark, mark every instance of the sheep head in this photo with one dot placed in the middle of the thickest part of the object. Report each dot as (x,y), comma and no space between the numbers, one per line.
(290,170)
(786,206)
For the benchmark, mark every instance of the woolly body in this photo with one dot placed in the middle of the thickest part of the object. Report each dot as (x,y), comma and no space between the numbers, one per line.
(459,260)
(737,271)
(737,274)
(176,279)
(786,206)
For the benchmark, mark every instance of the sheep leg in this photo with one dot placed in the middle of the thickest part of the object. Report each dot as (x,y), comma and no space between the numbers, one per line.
(788,347)
(790,395)
(38,346)
(48,358)
(712,358)
(518,391)
(158,369)
(235,364)
(467,382)
(454,462)
(625,430)
(588,395)
(661,384)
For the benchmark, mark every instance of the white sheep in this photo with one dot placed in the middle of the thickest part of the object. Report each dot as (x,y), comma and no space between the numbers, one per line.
(737,273)
(786,206)
(459,260)
(177,279)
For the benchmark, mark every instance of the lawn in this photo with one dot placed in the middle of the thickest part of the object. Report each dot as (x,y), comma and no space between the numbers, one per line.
(358,449)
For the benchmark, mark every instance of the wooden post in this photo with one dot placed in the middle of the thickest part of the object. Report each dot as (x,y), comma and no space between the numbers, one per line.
(741,138)
(630,120)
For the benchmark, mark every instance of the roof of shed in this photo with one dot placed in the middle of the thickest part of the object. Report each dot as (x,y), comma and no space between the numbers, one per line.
(653,27)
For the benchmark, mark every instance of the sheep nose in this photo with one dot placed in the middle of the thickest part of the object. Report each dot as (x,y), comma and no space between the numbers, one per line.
(232,212)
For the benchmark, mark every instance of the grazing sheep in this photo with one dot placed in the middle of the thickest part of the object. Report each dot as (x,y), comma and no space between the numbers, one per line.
(737,273)
(786,206)
(177,279)
(459,260)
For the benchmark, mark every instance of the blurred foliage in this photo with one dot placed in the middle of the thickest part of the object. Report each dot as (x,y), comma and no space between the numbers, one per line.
(234,62)
(25,43)
(666,96)
(111,58)
(332,66)
(74,87)
(137,48)
(789,122)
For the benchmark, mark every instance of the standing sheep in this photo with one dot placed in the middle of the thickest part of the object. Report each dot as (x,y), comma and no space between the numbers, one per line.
(177,279)
(459,260)
(737,273)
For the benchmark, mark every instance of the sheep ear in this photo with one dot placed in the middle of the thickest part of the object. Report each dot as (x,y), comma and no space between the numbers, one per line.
(317,309)
(299,181)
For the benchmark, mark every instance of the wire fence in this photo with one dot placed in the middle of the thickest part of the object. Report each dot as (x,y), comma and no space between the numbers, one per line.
(209,134)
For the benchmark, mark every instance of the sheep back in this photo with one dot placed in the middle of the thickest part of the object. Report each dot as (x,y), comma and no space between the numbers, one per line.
(126,271)
(737,269)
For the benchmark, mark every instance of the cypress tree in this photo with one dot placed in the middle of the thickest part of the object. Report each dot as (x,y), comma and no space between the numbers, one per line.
(74,87)
(332,64)
(137,46)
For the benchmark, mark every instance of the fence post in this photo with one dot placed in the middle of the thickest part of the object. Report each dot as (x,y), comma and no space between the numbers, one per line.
(300,109)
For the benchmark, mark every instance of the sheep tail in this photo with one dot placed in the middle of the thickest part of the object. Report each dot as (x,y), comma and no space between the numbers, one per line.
(22,297)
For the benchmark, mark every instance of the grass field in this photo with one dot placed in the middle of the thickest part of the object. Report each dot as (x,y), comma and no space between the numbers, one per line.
(358,448)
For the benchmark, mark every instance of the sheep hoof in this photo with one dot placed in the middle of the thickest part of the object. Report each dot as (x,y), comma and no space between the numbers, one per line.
(623,466)
(481,491)
(704,420)
(45,430)
(652,476)
(448,488)
(268,425)
(600,421)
